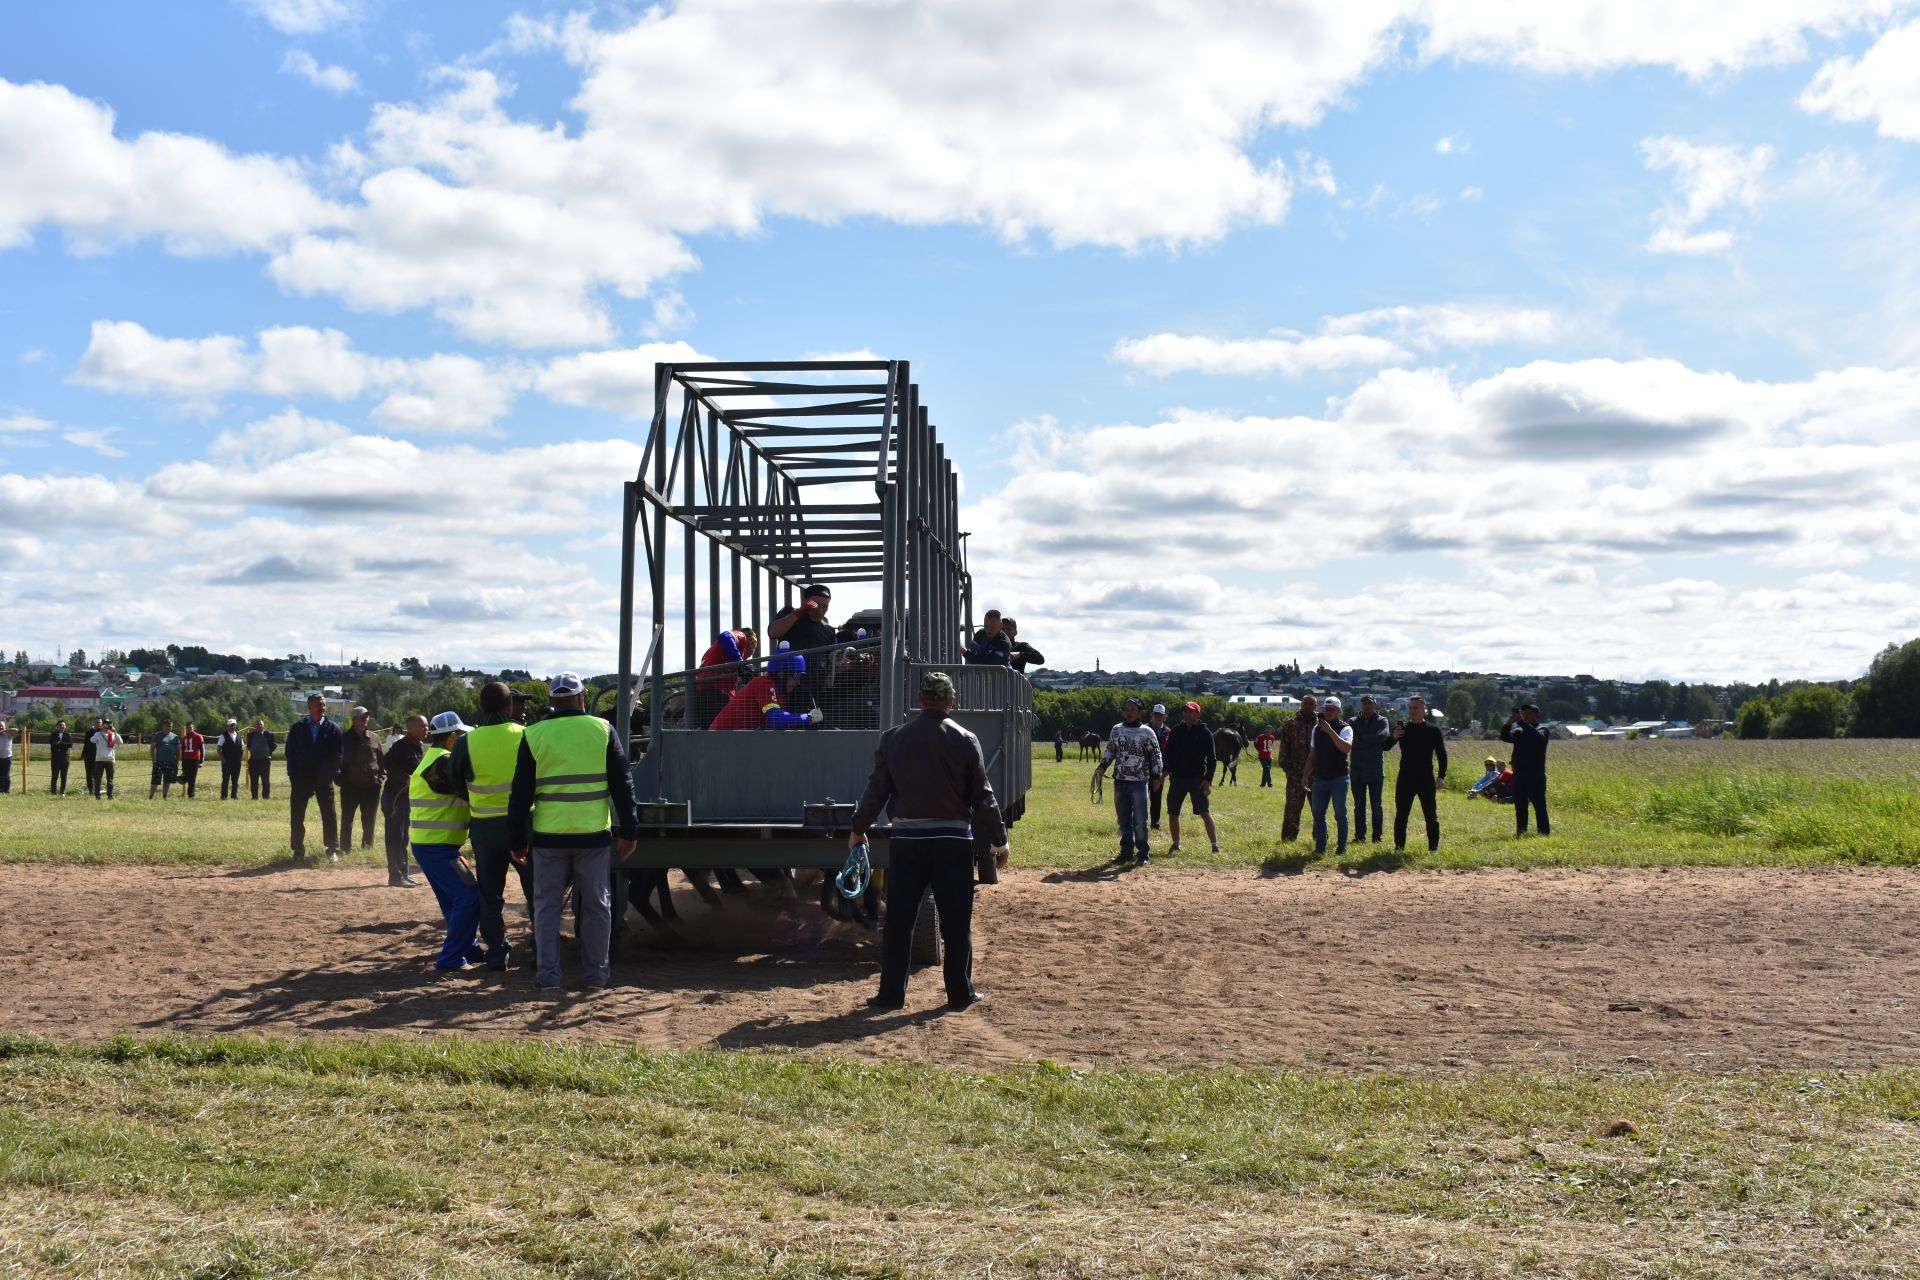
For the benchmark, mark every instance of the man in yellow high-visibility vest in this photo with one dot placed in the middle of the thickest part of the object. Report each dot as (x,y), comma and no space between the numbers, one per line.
(482,764)
(571,804)
(437,822)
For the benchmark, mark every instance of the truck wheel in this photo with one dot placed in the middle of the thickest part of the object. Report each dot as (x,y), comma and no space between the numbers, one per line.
(926,934)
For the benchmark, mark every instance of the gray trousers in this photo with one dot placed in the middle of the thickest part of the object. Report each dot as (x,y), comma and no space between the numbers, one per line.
(592,870)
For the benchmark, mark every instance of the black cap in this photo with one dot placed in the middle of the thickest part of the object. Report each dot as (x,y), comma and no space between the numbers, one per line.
(1528,706)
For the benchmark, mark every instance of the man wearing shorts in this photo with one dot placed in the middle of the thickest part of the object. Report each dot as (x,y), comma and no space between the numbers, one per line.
(1190,773)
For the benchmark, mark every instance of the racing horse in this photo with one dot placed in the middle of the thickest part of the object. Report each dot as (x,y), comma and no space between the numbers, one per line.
(1090,744)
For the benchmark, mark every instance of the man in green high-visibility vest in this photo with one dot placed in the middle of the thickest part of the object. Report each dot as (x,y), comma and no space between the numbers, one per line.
(482,765)
(571,804)
(437,822)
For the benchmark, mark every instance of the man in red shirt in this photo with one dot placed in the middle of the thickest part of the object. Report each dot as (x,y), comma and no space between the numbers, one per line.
(756,704)
(711,690)
(1264,743)
(193,750)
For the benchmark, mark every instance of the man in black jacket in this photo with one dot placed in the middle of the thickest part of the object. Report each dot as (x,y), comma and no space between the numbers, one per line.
(402,758)
(313,763)
(929,775)
(261,745)
(361,770)
(1421,743)
(1189,760)
(1372,735)
(1024,654)
(1529,740)
(60,743)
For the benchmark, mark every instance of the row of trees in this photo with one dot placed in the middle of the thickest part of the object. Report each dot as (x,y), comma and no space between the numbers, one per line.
(1886,704)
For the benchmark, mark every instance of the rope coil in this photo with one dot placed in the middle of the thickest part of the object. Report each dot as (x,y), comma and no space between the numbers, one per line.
(857,874)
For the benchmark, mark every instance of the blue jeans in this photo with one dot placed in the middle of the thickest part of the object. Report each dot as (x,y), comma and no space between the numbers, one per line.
(459,900)
(1266,773)
(1130,806)
(1366,796)
(1325,790)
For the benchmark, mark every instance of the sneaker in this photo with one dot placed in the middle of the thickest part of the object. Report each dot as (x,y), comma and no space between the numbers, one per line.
(461,967)
(499,960)
(333,855)
(884,1004)
(1174,847)
(1216,846)
(1143,860)
(300,855)
(967,1001)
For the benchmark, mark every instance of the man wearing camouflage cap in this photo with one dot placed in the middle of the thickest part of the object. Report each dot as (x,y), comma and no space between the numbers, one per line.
(930,777)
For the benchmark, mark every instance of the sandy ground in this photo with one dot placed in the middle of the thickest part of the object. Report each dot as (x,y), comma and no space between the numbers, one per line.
(1424,972)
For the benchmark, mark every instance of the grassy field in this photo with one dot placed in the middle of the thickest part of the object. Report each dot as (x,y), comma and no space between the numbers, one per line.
(1614,804)
(235,1158)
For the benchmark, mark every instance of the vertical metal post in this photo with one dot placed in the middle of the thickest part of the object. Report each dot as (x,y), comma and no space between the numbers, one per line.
(690,601)
(657,567)
(715,497)
(624,701)
(892,674)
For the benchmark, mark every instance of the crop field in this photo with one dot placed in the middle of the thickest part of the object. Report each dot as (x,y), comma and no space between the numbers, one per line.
(1676,1038)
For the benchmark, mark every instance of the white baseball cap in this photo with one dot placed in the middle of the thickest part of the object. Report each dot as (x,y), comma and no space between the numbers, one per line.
(566,684)
(448,722)
(1331,700)
(231,720)
(1159,708)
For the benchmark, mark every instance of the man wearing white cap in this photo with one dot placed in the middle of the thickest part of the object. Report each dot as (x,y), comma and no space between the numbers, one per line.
(361,769)
(437,825)
(1328,746)
(571,805)
(1157,721)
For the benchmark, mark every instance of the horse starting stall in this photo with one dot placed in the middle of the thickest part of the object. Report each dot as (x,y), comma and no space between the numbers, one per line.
(756,480)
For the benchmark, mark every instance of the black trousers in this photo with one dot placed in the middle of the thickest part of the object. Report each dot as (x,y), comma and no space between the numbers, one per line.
(104,780)
(1155,789)
(6,775)
(1366,800)
(395,806)
(361,798)
(1530,789)
(305,789)
(260,779)
(229,779)
(943,864)
(189,770)
(57,775)
(490,863)
(1405,791)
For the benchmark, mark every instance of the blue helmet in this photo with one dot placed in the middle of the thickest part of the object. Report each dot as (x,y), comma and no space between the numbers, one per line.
(788,663)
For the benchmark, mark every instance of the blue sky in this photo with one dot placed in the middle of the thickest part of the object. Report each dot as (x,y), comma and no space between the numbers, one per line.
(1404,335)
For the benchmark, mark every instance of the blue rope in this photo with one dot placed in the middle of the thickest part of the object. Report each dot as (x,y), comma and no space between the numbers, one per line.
(857,874)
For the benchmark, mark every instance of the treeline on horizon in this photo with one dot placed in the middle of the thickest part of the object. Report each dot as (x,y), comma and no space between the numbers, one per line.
(1885,703)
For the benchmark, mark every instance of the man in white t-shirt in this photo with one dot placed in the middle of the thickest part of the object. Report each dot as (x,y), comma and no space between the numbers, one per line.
(6,758)
(104,742)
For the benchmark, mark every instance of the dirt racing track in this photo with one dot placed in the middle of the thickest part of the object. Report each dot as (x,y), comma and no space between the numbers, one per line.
(1430,972)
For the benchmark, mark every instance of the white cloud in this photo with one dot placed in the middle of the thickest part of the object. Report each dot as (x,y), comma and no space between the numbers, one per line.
(1880,85)
(123,357)
(66,168)
(304,17)
(23,424)
(1387,335)
(1452,144)
(331,78)
(617,381)
(1706,179)
(446,392)
(284,433)
(97,439)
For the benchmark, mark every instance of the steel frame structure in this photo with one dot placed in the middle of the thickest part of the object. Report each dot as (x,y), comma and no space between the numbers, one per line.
(732,468)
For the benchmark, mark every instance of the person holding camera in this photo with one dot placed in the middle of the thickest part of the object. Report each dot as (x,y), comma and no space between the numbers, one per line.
(1329,744)
(1421,745)
(1528,737)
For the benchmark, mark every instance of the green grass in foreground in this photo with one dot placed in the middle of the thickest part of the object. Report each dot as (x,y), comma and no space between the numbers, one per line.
(1613,804)
(246,1158)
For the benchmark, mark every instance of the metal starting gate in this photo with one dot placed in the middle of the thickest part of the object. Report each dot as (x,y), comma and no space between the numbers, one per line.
(758,479)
